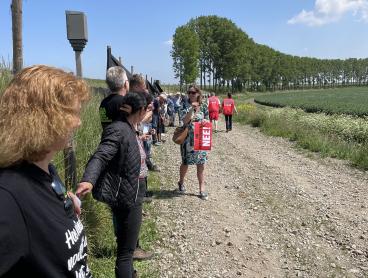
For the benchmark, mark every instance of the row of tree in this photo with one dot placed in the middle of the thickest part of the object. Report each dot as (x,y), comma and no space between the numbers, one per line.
(220,54)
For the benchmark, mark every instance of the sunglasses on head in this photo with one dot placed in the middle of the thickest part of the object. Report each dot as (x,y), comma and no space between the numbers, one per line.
(59,189)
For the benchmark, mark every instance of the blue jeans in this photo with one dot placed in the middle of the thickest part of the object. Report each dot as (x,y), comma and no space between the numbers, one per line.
(147,145)
(179,117)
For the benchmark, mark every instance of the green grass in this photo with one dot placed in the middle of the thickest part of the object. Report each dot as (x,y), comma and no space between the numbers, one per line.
(5,75)
(170,88)
(102,252)
(351,101)
(100,83)
(149,233)
(338,136)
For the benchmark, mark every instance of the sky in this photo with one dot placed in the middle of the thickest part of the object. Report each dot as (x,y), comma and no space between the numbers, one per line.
(140,32)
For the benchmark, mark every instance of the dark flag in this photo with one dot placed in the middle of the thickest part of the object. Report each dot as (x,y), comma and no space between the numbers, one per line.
(151,88)
(113,62)
(157,85)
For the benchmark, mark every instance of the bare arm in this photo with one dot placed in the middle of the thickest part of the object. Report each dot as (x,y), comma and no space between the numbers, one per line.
(188,117)
(148,117)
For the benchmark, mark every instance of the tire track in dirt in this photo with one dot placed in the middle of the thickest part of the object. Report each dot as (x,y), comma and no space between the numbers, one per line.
(272,212)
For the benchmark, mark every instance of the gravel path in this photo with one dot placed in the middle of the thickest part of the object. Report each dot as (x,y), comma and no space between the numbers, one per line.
(273,211)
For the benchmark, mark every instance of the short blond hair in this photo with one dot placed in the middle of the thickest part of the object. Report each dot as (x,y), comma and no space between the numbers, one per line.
(36,109)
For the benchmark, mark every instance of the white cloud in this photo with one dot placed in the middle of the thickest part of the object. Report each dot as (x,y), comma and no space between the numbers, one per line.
(169,42)
(328,11)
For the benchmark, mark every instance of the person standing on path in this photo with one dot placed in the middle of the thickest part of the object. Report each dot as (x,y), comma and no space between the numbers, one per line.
(116,174)
(137,84)
(157,123)
(193,111)
(41,232)
(118,83)
(177,103)
(228,107)
(214,109)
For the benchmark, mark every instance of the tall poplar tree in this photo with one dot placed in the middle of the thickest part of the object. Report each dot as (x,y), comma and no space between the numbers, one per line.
(185,54)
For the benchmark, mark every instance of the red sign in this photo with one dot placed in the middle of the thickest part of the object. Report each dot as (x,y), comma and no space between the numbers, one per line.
(202,136)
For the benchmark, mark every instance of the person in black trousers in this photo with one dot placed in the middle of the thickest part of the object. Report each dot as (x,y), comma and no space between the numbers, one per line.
(228,108)
(116,175)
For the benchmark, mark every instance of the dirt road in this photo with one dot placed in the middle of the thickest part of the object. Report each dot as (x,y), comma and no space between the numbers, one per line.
(273,211)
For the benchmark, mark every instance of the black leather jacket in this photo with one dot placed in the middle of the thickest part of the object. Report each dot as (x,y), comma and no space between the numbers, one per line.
(114,168)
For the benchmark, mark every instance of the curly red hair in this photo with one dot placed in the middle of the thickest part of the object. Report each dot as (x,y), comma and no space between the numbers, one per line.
(36,109)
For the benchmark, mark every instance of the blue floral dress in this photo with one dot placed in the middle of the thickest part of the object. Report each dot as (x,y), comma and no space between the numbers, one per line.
(188,155)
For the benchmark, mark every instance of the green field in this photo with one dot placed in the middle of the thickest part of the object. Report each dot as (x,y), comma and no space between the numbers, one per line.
(351,101)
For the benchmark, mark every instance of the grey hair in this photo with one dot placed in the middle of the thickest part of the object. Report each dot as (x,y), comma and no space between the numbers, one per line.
(116,78)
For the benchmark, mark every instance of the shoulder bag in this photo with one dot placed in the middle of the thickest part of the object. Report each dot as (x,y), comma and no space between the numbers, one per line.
(180,133)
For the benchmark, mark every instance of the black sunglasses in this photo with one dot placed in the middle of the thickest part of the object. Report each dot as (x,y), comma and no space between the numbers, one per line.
(192,92)
(59,189)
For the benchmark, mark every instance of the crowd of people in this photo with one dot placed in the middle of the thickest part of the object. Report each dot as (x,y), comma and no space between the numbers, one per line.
(40,110)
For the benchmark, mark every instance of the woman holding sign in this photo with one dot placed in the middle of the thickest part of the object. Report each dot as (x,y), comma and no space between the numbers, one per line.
(193,111)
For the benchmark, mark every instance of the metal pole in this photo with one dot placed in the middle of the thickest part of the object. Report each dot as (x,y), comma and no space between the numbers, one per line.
(131,69)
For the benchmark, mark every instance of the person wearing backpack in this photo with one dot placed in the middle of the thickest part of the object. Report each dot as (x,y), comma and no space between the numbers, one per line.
(228,107)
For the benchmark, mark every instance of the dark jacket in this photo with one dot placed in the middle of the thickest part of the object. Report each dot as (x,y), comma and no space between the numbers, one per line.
(113,169)
(110,109)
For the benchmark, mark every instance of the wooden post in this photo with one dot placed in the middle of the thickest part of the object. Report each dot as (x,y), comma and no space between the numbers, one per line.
(70,159)
(16,8)
(70,165)
(78,37)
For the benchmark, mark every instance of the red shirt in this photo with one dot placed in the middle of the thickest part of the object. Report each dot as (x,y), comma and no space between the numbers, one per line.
(213,104)
(228,106)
